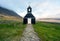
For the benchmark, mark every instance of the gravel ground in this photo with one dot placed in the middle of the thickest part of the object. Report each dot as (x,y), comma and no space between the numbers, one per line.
(29,34)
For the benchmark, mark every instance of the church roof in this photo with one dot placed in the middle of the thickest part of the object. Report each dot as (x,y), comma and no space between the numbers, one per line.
(29,13)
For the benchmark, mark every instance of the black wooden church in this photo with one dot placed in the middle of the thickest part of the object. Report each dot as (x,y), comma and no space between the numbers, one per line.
(29,18)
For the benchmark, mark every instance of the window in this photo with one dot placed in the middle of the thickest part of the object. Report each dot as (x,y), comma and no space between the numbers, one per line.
(29,9)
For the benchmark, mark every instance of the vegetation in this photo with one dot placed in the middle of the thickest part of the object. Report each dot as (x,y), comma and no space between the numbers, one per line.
(11,30)
(48,31)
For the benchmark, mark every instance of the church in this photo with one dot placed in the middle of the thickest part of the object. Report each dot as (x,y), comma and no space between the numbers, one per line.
(29,18)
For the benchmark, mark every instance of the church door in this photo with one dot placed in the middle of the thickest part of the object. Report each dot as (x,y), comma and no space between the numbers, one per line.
(29,20)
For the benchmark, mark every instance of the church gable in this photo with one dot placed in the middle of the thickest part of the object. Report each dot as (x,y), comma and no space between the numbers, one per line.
(29,18)
(29,12)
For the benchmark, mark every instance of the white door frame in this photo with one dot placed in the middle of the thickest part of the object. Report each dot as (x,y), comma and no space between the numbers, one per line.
(29,20)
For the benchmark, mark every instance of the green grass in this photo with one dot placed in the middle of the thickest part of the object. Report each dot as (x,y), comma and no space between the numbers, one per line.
(47,31)
(11,30)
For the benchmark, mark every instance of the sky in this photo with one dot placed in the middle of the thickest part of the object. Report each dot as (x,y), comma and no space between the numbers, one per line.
(40,8)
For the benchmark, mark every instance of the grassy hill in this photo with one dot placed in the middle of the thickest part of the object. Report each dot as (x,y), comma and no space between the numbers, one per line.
(11,27)
(12,18)
(11,30)
(48,31)
(6,14)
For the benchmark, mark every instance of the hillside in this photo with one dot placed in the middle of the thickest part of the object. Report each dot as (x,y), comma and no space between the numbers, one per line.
(11,27)
(7,14)
(5,11)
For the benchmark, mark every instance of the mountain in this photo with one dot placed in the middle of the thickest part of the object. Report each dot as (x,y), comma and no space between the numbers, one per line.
(9,14)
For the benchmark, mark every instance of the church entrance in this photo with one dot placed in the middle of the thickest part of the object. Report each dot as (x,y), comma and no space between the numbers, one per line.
(29,20)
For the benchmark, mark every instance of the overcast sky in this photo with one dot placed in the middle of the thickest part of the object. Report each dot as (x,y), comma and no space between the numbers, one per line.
(41,8)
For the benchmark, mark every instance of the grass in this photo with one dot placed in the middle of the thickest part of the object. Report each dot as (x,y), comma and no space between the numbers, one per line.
(11,30)
(48,31)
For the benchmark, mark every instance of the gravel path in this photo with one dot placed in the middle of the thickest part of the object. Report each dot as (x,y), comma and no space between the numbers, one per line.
(29,34)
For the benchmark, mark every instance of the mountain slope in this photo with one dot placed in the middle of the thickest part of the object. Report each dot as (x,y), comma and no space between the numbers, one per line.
(8,14)
(5,11)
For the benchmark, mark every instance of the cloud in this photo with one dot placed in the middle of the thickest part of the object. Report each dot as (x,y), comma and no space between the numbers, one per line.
(45,10)
(41,8)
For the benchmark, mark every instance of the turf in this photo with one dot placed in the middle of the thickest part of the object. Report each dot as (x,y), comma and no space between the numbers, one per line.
(47,31)
(11,30)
